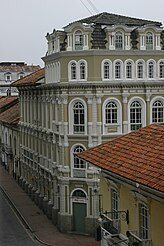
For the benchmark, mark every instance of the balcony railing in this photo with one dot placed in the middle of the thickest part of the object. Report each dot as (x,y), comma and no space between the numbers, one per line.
(134,240)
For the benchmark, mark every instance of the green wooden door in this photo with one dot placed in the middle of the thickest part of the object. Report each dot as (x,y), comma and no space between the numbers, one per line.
(79,213)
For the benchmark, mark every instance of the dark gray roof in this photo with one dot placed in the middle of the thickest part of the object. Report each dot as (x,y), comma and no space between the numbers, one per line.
(114,19)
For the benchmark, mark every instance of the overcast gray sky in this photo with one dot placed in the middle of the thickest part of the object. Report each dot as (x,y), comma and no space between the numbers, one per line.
(24,23)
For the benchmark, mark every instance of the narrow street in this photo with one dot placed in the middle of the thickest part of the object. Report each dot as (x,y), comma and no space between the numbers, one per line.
(12,231)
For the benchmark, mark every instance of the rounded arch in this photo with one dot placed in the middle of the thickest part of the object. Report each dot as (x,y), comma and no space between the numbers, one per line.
(140,69)
(118,69)
(160,69)
(159,114)
(82,70)
(141,115)
(151,69)
(129,69)
(78,192)
(72,72)
(119,39)
(81,121)
(112,115)
(106,69)
(76,163)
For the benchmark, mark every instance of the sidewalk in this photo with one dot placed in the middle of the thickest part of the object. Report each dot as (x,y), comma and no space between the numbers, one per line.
(35,220)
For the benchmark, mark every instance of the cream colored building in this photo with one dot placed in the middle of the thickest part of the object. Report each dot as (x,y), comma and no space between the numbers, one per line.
(132,187)
(104,76)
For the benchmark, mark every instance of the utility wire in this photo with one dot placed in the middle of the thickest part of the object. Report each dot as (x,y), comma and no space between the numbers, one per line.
(93,6)
(86,7)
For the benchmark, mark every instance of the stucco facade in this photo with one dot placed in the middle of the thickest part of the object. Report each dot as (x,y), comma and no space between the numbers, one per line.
(102,79)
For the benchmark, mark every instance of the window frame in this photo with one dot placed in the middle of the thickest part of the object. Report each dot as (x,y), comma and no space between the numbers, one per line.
(107,127)
(149,41)
(78,116)
(161,69)
(109,72)
(119,40)
(118,69)
(142,113)
(155,99)
(71,116)
(78,44)
(144,221)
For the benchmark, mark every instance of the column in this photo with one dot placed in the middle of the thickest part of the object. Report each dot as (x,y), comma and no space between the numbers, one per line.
(125,96)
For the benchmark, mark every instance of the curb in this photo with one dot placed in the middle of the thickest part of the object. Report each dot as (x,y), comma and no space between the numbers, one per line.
(22,219)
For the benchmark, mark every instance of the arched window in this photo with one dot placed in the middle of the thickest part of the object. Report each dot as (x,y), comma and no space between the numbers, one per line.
(135,115)
(140,70)
(73,71)
(78,118)
(143,221)
(158,111)
(78,193)
(111,113)
(78,40)
(118,41)
(82,71)
(149,41)
(118,70)
(114,205)
(129,70)
(161,70)
(106,70)
(78,163)
(151,70)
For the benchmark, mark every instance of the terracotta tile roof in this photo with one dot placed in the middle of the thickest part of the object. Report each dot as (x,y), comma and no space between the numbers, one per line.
(6,101)
(138,156)
(17,67)
(30,79)
(11,115)
(113,19)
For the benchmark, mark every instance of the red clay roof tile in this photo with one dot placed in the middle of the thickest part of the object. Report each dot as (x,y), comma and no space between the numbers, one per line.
(138,156)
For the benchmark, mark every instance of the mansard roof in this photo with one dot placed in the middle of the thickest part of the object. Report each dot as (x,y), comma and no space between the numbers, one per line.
(17,67)
(115,19)
(31,79)
(137,156)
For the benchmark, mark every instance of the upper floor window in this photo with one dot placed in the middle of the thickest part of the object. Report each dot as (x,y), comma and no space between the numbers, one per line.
(114,205)
(118,70)
(106,70)
(73,71)
(8,76)
(151,70)
(135,115)
(158,111)
(79,119)
(118,41)
(77,162)
(21,75)
(111,113)
(78,40)
(77,70)
(140,70)
(161,70)
(82,71)
(143,222)
(129,70)
(149,41)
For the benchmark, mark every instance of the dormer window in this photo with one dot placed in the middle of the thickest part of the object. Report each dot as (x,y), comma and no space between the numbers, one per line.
(20,76)
(149,41)
(8,77)
(78,40)
(118,41)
